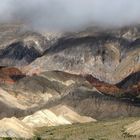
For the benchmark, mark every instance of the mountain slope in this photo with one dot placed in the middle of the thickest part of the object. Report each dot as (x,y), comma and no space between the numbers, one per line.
(106,56)
(19,45)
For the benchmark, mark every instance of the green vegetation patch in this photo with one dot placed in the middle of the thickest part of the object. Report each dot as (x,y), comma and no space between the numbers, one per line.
(103,130)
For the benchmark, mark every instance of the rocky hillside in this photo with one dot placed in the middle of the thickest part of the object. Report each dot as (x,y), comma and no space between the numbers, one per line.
(49,79)
(108,56)
(19,46)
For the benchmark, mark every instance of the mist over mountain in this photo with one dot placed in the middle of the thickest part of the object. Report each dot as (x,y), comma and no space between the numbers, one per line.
(71,15)
(69,62)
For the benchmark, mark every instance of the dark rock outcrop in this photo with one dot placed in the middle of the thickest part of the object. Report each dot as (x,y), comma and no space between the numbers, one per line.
(10,75)
(18,54)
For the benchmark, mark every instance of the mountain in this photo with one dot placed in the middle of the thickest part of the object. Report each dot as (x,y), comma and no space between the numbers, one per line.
(19,46)
(107,56)
(59,78)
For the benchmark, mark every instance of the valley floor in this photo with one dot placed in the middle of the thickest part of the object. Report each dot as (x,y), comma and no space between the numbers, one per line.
(101,130)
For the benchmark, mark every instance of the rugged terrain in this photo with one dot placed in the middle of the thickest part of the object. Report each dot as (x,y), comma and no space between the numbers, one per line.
(49,79)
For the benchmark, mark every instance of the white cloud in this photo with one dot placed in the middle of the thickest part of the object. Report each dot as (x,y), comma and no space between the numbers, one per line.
(71,14)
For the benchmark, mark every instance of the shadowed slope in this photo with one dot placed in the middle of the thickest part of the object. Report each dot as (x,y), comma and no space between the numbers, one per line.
(106,56)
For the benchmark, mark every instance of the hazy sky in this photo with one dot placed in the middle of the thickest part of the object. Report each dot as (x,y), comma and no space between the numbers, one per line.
(71,14)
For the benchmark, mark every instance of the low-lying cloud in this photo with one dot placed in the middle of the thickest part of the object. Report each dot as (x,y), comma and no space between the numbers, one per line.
(71,14)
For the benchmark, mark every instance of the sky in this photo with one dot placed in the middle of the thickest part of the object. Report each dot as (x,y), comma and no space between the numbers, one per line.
(70,14)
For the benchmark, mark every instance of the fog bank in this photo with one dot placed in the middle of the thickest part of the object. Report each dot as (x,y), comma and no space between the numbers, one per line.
(71,14)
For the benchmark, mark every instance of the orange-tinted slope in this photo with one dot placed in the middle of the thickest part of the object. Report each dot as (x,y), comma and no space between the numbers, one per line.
(10,75)
(103,87)
(130,85)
